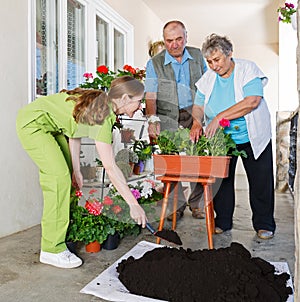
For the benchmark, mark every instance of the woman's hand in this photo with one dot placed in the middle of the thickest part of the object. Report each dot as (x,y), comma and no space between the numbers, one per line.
(212,128)
(77,180)
(137,213)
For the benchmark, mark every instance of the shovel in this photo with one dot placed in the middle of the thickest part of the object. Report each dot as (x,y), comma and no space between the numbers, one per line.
(168,235)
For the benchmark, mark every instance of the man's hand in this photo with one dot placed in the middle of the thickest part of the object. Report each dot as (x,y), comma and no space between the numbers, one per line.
(154,130)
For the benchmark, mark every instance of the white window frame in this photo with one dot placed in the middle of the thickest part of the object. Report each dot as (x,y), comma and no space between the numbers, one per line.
(93,8)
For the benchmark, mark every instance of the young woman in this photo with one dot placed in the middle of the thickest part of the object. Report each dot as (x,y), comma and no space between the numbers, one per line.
(43,126)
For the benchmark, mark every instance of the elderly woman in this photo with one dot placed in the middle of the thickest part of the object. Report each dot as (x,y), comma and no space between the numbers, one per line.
(42,127)
(233,89)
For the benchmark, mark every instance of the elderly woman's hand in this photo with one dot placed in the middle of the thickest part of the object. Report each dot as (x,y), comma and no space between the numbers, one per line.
(212,128)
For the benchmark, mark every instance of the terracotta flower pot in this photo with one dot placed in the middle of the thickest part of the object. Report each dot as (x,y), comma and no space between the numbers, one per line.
(93,247)
(215,166)
(136,169)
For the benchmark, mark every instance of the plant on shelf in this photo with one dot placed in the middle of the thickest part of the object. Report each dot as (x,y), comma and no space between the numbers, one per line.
(143,149)
(144,152)
(286,12)
(125,159)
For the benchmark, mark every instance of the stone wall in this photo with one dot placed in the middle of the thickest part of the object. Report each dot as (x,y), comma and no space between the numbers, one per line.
(283,125)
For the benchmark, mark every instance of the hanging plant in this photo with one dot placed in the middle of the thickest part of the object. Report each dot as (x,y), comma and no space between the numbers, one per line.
(285,12)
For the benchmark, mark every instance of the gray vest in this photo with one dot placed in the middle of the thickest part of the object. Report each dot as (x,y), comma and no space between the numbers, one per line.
(167,98)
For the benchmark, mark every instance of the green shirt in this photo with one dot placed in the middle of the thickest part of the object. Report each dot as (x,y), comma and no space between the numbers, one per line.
(53,113)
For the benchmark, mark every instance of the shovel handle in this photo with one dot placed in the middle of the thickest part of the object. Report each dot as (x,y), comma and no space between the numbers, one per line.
(150,228)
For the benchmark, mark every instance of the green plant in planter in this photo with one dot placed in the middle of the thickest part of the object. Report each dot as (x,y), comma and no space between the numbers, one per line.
(176,142)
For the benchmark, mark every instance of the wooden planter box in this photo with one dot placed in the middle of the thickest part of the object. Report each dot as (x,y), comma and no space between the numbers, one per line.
(215,166)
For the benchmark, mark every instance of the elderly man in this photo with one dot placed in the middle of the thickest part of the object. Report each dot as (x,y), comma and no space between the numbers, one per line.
(170,90)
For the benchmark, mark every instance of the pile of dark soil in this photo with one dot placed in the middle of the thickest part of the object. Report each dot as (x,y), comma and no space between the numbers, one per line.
(219,275)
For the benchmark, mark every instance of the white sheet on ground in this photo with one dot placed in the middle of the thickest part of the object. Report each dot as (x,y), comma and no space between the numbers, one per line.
(107,285)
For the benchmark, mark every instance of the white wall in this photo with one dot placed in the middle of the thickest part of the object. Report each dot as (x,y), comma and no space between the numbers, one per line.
(21,201)
(288,94)
(147,26)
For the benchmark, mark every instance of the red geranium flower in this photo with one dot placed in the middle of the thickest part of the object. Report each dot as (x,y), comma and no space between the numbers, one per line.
(116,209)
(94,208)
(107,201)
(102,69)
(92,191)
(130,69)
(78,193)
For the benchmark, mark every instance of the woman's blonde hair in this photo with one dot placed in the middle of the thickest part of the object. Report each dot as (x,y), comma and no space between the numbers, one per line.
(93,105)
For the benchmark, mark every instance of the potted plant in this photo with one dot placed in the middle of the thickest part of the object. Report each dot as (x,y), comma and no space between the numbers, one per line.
(104,76)
(100,219)
(125,159)
(144,152)
(207,157)
(86,224)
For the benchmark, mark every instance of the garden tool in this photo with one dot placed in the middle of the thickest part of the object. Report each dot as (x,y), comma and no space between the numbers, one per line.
(168,235)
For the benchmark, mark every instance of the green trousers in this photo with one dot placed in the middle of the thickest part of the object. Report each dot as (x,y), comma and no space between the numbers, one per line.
(50,151)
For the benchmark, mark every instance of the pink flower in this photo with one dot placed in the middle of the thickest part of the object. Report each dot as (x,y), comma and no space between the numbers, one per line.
(151,181)
(224,123)
(136,193)
(88,75)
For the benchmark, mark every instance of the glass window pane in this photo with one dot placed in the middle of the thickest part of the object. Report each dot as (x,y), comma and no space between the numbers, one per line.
(102,41)
(76,37)
(46,47)
(118,50)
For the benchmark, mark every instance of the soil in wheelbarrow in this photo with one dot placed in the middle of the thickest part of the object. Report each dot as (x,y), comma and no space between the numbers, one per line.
(219,275)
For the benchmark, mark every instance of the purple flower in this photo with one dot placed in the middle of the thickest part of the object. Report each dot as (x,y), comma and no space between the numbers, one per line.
(289,5)
(136,193)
